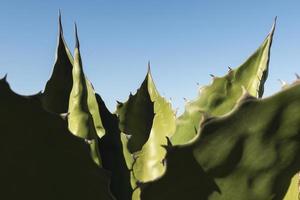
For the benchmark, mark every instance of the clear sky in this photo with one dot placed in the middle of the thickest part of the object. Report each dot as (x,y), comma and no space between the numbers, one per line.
(184,40)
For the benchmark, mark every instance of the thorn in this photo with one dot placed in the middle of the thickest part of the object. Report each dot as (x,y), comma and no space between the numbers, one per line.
(64,116)
(164,162)
(77,45)
(198,84)
(169,143)
(212,75)
(128,136)
(119,103)
(274,25)
(167,146)
(88,141)
(185,99)
(149,67)
(5,78)
(229,68)
(92,85)
(297,76)
(283,83)
(60,29)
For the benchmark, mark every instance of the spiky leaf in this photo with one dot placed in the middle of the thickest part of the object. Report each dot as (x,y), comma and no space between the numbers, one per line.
(221,96)
(146,164)
(55,97)
(136,117)
(40,158)
(80,120)
(251,153)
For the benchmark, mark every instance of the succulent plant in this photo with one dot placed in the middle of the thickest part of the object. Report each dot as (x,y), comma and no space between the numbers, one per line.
(228,144)
(146,119)
(238,156)
(222,95)
(40,158)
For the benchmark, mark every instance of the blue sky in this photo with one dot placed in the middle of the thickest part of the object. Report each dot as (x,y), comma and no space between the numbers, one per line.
(184,40)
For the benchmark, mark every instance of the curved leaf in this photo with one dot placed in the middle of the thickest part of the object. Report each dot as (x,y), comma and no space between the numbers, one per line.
(242,155)
(147,163)
(56,95)
(94,109)
(40,158)
(221,96)
(57,91)
(136,117)
(80,119)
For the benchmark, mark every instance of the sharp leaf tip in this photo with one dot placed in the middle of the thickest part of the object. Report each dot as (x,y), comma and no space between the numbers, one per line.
(77,45)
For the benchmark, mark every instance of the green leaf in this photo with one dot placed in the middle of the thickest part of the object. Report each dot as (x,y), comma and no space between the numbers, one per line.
(129,158)
(55,97)
(147,163)
(40,158)
(136,117)
(57,91)
(293,191)
(80,119)
(111,150)
(251,153)
(94,109)
(135,122)
(222,95)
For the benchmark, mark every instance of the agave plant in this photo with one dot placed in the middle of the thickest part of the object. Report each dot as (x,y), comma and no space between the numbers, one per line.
(228,144)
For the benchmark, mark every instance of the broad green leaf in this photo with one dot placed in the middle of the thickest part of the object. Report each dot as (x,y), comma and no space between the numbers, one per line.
(56,95)
(80,119)
(222,95)
(251,153)
(57,91)
(40,158)
(136,117)
(147,163)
